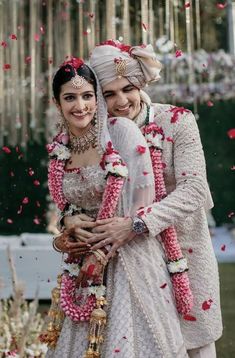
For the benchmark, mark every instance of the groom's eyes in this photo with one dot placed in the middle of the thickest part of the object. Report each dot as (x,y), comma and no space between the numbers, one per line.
(128,88)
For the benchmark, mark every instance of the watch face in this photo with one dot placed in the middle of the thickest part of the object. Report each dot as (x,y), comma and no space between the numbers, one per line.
(138,226)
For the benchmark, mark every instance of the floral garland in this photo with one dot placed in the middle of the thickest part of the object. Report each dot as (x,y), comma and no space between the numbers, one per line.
(116,172)
(177,264)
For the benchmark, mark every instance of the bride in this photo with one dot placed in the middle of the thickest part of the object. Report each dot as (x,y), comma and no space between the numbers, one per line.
(101,167)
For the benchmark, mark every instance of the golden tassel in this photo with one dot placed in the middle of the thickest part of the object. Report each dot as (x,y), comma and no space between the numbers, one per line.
(97,326)
(55,318)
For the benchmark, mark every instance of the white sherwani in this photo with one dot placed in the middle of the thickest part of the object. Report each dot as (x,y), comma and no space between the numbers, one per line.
(185,207)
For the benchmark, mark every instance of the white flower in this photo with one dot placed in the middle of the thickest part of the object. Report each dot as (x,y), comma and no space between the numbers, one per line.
(98,291)
(177,266)
(73,269)
(120,170)
(60,151)
(155,141)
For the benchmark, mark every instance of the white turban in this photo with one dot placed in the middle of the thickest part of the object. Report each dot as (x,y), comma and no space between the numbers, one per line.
(140,63)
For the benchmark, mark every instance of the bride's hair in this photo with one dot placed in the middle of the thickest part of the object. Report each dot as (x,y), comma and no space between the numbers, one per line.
(66,72)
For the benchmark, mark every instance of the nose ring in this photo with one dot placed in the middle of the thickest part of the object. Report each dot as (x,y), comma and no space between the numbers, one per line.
(86,108)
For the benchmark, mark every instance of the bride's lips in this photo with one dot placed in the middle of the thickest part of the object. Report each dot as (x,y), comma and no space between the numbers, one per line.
(79,116)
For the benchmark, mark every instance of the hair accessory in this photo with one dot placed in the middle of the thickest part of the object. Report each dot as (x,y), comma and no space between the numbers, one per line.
(78,81)
(120,66)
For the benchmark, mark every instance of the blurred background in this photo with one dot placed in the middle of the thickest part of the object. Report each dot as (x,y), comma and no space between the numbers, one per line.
(195,41)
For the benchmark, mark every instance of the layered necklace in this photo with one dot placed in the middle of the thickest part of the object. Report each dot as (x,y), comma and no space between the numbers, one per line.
(84,142)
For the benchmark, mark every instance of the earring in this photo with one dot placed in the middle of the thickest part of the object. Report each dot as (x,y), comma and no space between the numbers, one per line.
(94,119)
(61,124)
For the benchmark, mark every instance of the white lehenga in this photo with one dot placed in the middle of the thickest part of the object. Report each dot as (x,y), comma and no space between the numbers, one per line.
(142,319)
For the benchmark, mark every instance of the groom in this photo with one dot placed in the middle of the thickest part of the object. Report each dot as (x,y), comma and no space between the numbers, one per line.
(123,71)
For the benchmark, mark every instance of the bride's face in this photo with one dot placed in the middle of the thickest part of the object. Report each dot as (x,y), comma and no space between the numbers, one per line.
(78,106)
(122,98)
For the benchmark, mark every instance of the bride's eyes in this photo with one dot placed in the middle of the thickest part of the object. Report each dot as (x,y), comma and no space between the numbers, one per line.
(69,98)
(88,96)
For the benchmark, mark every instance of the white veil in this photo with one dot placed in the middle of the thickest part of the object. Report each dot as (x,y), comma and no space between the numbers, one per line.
(139,189)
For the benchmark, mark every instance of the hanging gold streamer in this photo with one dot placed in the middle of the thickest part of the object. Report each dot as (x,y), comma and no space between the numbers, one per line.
(198,24)
(80,30)
(110,19)
(68,37)
(23,111)
(2,102)
(126,22)
(151,22)
(176,22)
(32,66)
(144,21)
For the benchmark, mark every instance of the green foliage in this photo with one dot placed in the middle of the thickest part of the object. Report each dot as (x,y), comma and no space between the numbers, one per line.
(214,122)
(17,184)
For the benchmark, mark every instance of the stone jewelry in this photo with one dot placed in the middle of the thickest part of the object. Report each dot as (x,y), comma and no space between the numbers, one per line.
(81,144)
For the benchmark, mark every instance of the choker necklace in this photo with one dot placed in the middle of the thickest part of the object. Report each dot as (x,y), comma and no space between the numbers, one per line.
(83,143)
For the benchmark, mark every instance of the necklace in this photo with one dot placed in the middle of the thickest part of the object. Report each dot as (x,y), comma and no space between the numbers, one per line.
(83,143)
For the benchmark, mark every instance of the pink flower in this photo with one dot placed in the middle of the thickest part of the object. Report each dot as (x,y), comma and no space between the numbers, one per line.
(140,149)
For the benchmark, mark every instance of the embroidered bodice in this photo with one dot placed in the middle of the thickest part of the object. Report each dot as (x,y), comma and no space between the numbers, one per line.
(84,188)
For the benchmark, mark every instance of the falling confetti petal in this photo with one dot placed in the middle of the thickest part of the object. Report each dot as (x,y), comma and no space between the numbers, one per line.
(25,200)
(13,37)
(178,53)
(28,59)
(210,104)
(188,317)
(145,173)
(42,30)
(6,66)
(4,44)
(190,250)
(231,133)
(117,350)
(6,150)
(36,220)
(37,37)
(144,27)
(20,210)
(207,305)
(140,149)
(223,247)
(221,6)
(9,221)
(164,285)
(31,172)
(231,214)
(113,121)
(187,4)
(36,182)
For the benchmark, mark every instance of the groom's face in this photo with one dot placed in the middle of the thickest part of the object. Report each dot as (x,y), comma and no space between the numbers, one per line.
(122,98)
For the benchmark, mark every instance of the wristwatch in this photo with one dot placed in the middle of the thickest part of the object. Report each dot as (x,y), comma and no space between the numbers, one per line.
(138,225)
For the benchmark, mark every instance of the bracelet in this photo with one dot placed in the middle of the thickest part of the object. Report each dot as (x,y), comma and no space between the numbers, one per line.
(54,244)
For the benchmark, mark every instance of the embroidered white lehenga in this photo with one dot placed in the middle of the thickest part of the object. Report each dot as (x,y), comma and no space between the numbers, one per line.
(142,318)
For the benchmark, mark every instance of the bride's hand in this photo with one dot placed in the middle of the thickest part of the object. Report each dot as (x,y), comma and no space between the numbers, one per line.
(65,243)
(115,231)
(81,223)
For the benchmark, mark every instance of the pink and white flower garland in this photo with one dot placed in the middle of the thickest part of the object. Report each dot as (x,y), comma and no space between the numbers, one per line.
(177,264)
(116,172)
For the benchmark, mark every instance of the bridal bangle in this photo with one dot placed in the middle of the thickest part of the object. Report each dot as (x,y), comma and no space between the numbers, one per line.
(54,244)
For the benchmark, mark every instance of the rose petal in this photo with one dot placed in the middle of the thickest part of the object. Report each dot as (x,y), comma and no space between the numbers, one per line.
(223,247)
(13,37)
(6,66)
(164,285)
(6,150)
(178,53)
(206,305)
(9,221)
(140,149)
(231,133)
(189,317)
(36,182)
(25,200)
(210,104)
